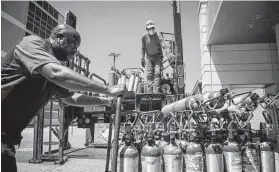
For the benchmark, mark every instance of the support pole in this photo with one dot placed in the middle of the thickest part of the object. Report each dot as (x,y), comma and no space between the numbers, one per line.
(179,66)
(109,144)
(61,158)
(50,126)
(116,133)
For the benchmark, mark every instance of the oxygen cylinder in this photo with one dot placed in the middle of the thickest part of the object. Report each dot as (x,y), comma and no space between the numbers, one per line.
(267,155)
(247,101)
(189,103)
(172,155)
(150,154)
(221,93)
(137,79)
(232,153)
(140,86)
(128,156)
(250,153)
(213,153)
(122,79)
(193,154)
(131,82)
(112,77)
(163,143)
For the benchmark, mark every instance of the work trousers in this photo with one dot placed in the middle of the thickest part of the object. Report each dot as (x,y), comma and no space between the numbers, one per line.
(153,74)
(8,160)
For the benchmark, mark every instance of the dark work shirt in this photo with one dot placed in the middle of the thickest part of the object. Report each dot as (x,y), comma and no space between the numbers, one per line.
(23,91)
(151,44)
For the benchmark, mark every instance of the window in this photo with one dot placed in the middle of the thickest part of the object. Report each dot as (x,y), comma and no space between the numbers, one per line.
(55,14)
(49,21)
(37,18)
(38,12)
(36,30)
(30,19)
(40,3)
(31,14)
(44,16)
(40,22)
(45,6)
(54,23)
(29,26)
(50,8)
(32,6)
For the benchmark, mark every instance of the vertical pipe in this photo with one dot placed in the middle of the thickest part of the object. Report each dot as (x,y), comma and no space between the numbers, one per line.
(61,130)
(109,144)
(116,133)
(178,50)
(40,134)
(35,140)
(50,126)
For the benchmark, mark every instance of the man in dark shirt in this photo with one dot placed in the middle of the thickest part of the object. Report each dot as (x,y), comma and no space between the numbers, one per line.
(31,74)
(152,56)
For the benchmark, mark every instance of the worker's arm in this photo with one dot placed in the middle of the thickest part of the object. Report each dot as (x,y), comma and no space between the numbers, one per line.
(142,47)
(68,78)
(81,100)
(34,54)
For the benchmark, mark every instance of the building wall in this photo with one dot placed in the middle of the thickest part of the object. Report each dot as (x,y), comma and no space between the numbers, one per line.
(14,19)
(245,64)
(17,23)
(239,67)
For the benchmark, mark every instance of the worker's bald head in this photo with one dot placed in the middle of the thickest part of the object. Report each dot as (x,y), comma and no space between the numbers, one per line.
(65,40)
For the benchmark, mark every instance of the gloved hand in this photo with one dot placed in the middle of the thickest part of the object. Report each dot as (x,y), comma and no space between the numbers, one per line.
(143,62)
(171,60)
(117,90)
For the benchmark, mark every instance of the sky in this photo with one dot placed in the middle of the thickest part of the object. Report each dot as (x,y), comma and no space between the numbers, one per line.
(117,26)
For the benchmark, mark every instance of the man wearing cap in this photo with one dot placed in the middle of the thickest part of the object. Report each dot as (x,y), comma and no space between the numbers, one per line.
(31,74)
(153,45)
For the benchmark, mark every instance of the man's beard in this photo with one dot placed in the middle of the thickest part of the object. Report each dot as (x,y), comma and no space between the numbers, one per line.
(60,54)
(151,32)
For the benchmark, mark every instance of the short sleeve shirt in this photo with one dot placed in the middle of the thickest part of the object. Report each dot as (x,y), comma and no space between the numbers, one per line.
(152,43)
(23,91)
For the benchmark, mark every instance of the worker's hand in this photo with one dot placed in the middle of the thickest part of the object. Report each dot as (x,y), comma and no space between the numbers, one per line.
(143,62)
(117,90)
(171,60)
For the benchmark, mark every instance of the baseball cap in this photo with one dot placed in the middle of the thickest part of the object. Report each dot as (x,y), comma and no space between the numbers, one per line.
(149,24)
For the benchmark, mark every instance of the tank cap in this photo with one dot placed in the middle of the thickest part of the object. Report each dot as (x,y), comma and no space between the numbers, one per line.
(254,97)
(224,91)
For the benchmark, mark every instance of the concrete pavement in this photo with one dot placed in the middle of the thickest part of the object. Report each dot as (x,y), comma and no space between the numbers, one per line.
(93,160)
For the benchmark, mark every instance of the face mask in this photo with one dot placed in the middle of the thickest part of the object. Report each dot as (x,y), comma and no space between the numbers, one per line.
(151,32)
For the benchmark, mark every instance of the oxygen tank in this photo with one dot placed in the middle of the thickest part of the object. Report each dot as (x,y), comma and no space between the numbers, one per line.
(163,143)
(172,155)
(122,79)
(136,84)
(250,153)
(140,86)
(220,103)
(193,154)
(232,153)
(112,77)
(150,154)
(189,103)
(131,82)
(267,155)
(213,153)
(128,156)
(247,101)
